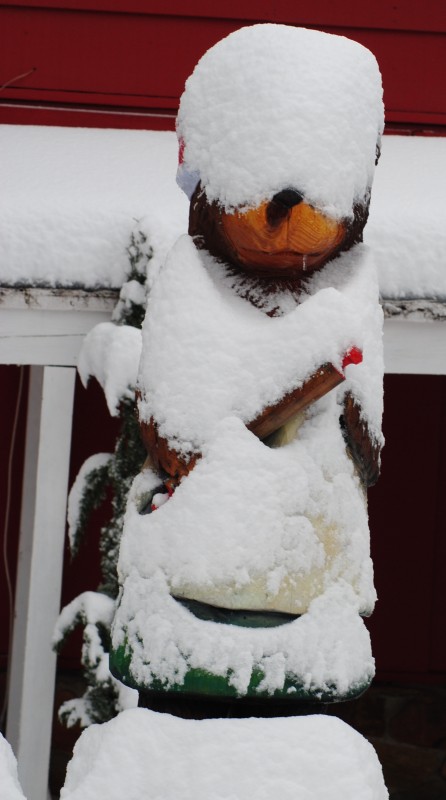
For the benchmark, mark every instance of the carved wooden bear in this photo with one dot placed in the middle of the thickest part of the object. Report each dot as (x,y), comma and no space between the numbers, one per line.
(245,561)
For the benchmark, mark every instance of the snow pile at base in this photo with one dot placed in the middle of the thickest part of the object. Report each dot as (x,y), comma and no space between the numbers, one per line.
(273,106)
(407,225)
(9,782)
(208,354)
(141,755)
(71,197)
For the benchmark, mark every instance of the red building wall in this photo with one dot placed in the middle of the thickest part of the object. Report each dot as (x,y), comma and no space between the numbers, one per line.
(130,58)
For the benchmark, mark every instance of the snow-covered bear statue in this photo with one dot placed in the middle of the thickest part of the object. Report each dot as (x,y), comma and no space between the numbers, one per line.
(245,563)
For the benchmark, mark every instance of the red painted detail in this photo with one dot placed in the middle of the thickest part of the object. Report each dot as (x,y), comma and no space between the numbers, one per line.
(169,492)
(181,151)
(352,356)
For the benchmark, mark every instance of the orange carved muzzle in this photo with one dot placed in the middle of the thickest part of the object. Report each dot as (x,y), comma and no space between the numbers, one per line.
(284,234)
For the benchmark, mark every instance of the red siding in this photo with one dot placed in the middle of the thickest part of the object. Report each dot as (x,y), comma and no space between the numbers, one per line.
(12,442)
(119,56)
(93,431)
(407,516)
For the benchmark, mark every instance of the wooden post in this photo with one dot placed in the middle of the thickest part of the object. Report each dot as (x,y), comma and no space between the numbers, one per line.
(39,575)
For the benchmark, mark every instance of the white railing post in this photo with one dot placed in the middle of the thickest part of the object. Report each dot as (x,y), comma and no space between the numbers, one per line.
(39,573)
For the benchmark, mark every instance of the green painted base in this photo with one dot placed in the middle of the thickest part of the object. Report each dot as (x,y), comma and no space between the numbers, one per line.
(199,682)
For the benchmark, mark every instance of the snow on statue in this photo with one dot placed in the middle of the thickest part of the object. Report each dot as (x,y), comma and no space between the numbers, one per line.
(245,564)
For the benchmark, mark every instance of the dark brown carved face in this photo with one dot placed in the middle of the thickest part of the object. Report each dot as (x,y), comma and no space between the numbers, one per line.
(282,238)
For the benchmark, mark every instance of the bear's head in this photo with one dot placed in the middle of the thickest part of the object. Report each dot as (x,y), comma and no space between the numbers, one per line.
(282,238)
(279,133)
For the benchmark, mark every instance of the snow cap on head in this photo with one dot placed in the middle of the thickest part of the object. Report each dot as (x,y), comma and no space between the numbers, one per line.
(272,107)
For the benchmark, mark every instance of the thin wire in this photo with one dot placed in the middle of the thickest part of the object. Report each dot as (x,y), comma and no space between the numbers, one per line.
(6,532)
(17,78)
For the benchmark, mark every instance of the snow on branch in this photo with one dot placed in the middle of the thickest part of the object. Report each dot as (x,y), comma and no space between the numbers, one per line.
(111,353)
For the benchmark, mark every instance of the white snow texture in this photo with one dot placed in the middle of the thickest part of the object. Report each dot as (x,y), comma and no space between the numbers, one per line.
(273,106)
(70,199)
(94,609)
(141,755)
(10,788)
(407,225)
(74,499)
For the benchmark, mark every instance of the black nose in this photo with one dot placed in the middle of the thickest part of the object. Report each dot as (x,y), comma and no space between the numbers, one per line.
(280,206)
(288,198)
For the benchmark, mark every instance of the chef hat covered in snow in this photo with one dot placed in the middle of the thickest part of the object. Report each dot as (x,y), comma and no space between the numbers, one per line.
(272,107)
